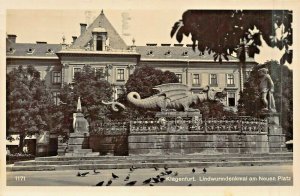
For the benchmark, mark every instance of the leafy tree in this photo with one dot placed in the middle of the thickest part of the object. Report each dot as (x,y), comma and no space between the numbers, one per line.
(29,103)
(228,28)
(250,101)
(91,90)
(142,81)
(214,108)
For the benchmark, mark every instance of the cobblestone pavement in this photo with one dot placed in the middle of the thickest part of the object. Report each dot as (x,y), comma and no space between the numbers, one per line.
(215,176)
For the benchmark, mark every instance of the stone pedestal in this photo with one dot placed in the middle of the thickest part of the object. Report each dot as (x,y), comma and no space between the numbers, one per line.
(61,147)
(275,134)
(78,143)
(41,150)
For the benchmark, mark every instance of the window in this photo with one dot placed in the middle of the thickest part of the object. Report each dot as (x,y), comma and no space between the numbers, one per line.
(99,72)
(185,53)
(50,51)
(230,80)
(99,45)
(150,52)
(247,75)
(213,80)
(231,99)
(56,77)
(179,76)
(30,51)
(42,75)
(196,79)
(55,96)
(120,75)
(76,70)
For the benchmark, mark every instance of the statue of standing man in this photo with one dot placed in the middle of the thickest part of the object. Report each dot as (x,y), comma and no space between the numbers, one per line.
(266,87)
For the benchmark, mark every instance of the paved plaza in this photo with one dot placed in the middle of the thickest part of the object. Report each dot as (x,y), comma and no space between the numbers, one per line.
(215,176)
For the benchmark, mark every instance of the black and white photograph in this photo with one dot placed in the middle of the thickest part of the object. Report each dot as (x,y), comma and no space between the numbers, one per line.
(142,97)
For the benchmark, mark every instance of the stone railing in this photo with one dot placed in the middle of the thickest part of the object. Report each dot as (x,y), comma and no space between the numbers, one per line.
(245,125)
(226,125)
(110,128)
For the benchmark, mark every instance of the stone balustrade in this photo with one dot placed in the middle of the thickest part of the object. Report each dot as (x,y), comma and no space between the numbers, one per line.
(110,128)
(179,125)
(225,125)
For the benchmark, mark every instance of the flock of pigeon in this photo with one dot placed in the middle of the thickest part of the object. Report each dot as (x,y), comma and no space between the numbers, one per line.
(150,181)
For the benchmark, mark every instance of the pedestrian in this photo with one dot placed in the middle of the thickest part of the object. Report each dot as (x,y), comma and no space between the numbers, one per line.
(7,151)
(25,149)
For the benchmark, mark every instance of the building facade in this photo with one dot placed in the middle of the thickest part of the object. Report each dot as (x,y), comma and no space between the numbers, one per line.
(100,46)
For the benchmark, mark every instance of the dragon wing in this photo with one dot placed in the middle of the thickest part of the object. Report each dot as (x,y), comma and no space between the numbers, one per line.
(173,91)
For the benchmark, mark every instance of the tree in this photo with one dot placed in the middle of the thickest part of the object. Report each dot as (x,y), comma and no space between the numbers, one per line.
(29,103)
(142,81)
(250,100)
(228,29)
(91,90)
(214,108)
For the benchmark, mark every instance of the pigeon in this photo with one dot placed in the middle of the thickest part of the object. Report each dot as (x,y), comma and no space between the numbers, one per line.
(109,183)
(100,183)
(132,183)
(169,172)
(131,169)
(193,170)
(147,181)
(156,180)
(156,169)
(204,170)
(151,184)
(84,174)
(78,174)
(162,179)
(190,185)
(127,177)
(162,173)
(114,175)
(96,172)
(165,167)
(175,173)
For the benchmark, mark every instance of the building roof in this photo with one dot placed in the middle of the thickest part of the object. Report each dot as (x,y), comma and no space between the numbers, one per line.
(173,53)
(115,40)
(31,49)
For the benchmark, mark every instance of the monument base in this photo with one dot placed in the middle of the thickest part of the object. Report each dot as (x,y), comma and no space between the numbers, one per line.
(275,134)
(203,143)
(78,145)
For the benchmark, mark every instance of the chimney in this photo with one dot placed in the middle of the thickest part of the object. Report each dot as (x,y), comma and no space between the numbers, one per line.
(12,38)
(74,38)
(151,44)
(178,45)
(82,28)
(41,42)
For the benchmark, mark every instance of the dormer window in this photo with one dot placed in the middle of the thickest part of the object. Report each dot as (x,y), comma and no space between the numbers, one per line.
(150,52)
(50,51)
(11,50)
(185,53)
(30,51)
(168,53)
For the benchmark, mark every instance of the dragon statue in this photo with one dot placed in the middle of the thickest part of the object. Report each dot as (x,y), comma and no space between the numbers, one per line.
(114,105)
(171,96)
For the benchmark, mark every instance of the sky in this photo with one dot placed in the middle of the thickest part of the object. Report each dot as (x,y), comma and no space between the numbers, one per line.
(144,25)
